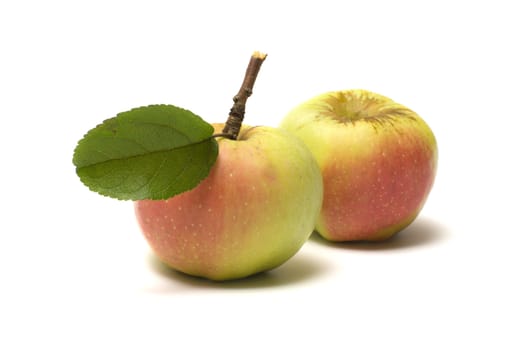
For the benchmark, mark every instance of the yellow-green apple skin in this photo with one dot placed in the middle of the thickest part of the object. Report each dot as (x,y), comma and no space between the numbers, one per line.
(378,161)
(254,211)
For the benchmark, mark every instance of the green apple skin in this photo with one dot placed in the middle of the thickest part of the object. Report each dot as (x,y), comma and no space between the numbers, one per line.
(378,161)
(253,212)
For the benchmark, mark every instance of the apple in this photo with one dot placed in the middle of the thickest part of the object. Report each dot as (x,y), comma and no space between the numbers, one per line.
(253,212)
(378,161)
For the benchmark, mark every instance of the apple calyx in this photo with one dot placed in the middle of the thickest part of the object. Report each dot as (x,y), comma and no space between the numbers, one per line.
(344,108)
(237,112)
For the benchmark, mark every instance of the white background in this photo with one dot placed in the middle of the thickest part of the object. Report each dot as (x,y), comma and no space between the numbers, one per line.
(75,272)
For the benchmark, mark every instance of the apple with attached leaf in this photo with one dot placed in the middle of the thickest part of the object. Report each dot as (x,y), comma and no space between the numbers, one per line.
(254,211)
(215,201)
(378,161)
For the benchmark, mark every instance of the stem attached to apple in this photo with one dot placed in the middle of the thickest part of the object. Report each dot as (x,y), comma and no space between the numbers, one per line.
(237,113)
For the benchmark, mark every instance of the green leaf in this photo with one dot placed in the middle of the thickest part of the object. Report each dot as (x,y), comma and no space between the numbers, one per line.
(152,152)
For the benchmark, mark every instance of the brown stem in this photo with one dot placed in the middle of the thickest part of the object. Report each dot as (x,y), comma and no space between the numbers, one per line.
(221,134)
(234,123)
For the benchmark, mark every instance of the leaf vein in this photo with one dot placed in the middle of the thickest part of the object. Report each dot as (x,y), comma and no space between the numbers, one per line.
(146,154)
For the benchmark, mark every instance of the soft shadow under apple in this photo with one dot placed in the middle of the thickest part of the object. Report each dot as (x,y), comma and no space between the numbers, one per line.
(422,232)
(300,268)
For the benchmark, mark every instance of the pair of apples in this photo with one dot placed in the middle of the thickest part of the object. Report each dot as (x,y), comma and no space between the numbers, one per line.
(354,165)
